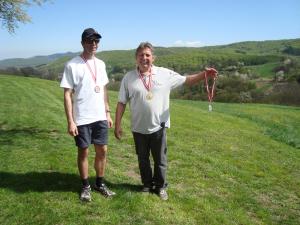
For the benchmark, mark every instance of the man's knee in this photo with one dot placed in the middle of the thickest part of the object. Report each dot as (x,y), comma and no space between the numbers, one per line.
(83,153)
(101,151)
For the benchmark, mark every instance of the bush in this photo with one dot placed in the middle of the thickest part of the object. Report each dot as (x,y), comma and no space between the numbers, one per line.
(226,96)
(114,85)
(284,94)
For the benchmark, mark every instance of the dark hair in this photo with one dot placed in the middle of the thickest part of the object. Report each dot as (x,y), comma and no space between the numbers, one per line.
(144,45)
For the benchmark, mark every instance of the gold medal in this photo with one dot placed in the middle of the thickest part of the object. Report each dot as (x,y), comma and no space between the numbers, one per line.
(149,95)
(147,85)
(97,89)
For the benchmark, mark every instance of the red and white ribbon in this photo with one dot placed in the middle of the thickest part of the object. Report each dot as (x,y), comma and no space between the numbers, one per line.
(149,85)
(210,93)
(94,75)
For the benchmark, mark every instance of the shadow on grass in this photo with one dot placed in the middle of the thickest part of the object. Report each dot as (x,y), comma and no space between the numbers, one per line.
(124,187)
(8,136)
(39,182)
(52,181)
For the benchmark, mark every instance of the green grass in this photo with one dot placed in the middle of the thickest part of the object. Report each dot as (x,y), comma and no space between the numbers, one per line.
(265,70)
(239,164)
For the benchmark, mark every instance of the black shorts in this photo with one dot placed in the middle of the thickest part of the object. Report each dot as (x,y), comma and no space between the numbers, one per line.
(93,133)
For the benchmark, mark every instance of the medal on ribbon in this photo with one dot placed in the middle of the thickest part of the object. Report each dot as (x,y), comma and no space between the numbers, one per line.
(149,95)
(148,85)
(97,88)
(210,90)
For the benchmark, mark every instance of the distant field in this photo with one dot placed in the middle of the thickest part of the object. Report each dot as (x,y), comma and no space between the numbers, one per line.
(239,164)
(264,70)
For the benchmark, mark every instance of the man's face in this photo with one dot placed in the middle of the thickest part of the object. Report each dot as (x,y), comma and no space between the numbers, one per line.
(144,59)
(90,45)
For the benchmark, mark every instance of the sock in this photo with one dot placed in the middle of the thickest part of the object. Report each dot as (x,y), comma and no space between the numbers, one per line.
(85,182)
(99,181)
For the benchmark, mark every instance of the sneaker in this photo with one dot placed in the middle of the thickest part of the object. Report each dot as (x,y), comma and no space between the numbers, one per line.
(103,189)
(163,194)
(85,194)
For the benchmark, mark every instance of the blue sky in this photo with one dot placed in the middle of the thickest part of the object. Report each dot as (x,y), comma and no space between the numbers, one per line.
(57,26)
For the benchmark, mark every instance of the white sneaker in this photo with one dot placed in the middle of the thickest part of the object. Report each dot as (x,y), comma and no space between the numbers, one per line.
(85,194)
(163,194)
(104,190)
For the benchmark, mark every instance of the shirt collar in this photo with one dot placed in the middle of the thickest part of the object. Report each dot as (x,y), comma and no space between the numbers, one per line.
(154,70)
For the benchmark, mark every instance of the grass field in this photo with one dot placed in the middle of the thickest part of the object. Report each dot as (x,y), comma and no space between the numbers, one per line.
(239,164)
(264,70)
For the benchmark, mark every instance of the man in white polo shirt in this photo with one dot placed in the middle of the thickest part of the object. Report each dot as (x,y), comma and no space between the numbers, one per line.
(87,110)
(147,90)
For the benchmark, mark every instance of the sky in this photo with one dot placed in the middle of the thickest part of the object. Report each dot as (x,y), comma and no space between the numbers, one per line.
(57,25)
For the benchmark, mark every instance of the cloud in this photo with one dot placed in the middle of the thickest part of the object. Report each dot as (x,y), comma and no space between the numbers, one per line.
(181,43)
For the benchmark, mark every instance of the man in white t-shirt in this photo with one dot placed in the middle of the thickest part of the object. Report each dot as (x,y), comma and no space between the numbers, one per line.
(147,90)
(87,110)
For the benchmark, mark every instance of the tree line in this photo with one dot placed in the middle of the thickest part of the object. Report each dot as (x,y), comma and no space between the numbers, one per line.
(238,80)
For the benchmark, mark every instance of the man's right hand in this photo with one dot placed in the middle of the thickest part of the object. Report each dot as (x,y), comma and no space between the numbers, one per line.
(72,129)
(118,132)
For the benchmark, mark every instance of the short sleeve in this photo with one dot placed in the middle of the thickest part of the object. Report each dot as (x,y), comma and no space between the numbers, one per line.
(105,77)
(123,93)
(67,79)
(176,79)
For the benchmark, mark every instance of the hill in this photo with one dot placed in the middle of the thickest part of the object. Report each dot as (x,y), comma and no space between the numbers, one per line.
(268,47)
(33,61)
(239,164)
(125,58)
(187,59)
(249,72)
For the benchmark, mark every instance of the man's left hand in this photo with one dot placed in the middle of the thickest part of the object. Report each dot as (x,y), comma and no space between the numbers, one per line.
(211,72)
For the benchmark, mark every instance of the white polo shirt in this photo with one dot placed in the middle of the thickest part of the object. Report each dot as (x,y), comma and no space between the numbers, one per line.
(88,106)
(147,115)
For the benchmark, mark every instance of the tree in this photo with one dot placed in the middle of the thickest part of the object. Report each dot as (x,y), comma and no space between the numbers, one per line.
(12,12)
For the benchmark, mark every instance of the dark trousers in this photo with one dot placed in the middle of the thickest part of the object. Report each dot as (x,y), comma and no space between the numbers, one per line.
(157,144)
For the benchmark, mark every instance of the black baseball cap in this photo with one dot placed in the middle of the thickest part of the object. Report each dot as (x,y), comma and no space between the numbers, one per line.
(90,33)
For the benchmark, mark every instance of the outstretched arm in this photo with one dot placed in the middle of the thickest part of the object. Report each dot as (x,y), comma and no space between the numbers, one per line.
(196,78)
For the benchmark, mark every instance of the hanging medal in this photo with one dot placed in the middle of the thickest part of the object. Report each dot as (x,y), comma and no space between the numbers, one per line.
(94,75)
(148,85)
(149,95)
(210,91)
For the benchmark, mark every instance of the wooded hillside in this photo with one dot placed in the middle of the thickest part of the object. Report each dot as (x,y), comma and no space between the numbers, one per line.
(263,71)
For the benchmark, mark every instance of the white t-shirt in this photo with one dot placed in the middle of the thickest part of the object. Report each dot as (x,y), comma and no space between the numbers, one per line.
(88,105)
(147,115)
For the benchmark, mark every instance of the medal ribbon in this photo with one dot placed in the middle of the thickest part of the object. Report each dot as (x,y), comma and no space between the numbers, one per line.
(210,94)
(149,85)
(94,75)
